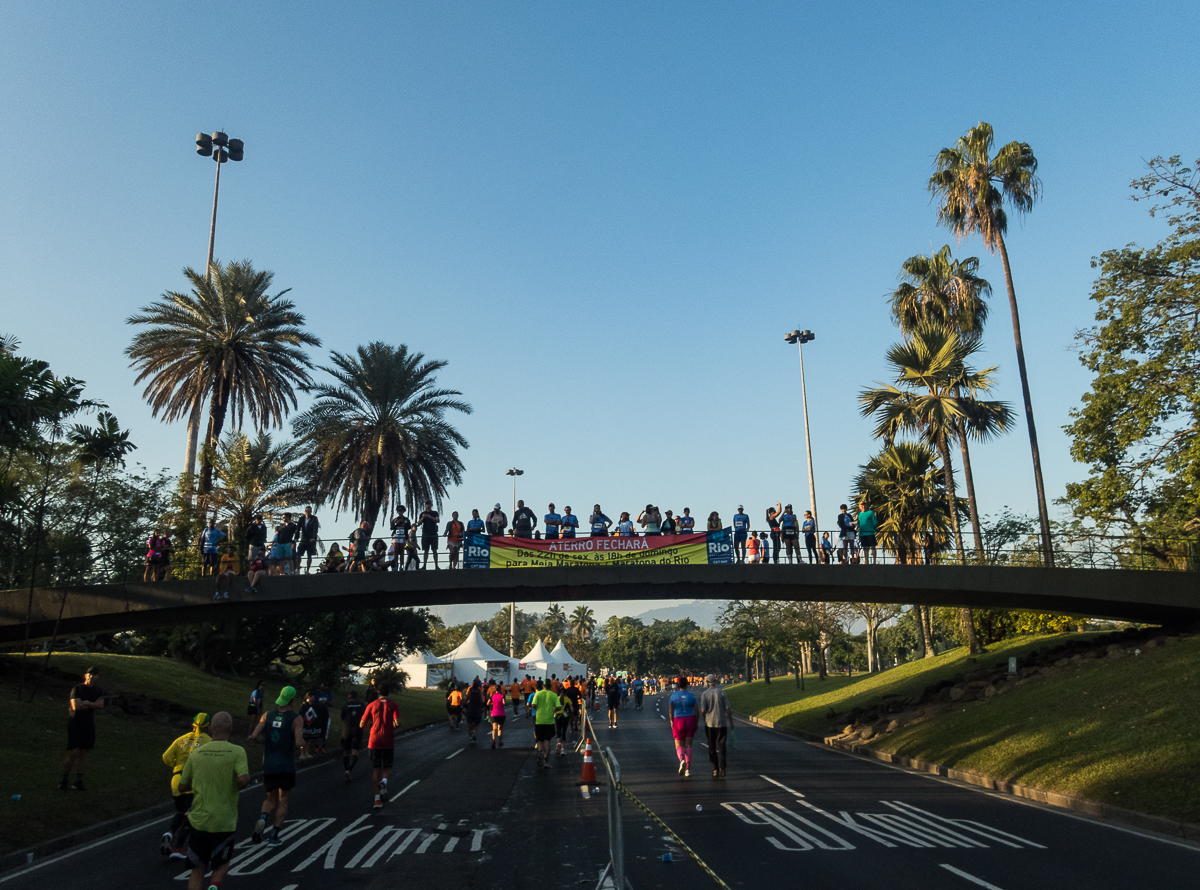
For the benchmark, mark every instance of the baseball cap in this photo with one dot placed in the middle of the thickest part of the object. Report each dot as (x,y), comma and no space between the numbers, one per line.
(497,507)
(286,695)
(740,507)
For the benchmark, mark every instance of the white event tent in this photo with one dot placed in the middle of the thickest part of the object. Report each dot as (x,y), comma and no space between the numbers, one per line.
(561,658)
(425,669)
(536,663)
(473,657)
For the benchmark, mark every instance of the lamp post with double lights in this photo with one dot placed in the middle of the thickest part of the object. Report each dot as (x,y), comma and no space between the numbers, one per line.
(800,338)
(512,612)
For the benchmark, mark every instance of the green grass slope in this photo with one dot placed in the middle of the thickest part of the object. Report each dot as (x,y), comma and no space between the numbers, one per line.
(1125,732)
(125,772)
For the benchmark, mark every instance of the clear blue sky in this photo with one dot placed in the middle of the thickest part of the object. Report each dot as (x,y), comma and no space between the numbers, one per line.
(603,215)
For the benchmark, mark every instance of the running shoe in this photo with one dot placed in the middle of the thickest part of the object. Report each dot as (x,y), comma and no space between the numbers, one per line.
(63,785)
(682,767)
(493,743)
(178,854)
(166,846)
(251,590)
(225,595)
(347,774)
(259,827)
(78,786)
(502,743)
(217,595)
(378,803)
(686,772)
(716,773)
(274,841)
(722,772)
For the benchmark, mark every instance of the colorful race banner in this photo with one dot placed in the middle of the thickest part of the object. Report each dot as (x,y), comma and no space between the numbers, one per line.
(487,552)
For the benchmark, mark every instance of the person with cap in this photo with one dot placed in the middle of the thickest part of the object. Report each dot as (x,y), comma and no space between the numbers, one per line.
(282,732)
(176,757)
(213,775)
(84,700)
(741,531)
(718,719)
(496,521)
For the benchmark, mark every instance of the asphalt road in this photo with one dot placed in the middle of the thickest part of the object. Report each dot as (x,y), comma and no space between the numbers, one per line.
(787,814)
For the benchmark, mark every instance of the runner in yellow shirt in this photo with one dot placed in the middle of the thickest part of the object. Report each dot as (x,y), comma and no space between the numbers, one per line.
(174,840)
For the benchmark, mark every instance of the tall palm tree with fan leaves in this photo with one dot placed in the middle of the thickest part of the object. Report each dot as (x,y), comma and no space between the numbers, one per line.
(972,187)
(379,434)
(228,342)
(939,289)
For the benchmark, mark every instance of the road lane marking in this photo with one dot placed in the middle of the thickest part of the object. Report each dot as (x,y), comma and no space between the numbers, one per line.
(781,785)
(405,788)
(974,880)
(334,845)
(456,753)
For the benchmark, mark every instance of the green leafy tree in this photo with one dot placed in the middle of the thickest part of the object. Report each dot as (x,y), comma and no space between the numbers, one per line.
(972,187)
(379,433)
(1138,430)
(554,624)
(582,622)
(227,342)
(255,476)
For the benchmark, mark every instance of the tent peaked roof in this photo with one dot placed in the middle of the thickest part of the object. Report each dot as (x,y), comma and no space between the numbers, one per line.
(538,653)
(421,656)
(560,653)
(475,646)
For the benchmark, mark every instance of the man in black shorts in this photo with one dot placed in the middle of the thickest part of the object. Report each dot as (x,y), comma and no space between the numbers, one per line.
(85,698)
(351,731)
(214,774)
(309,526)
(429,520)
(281,730)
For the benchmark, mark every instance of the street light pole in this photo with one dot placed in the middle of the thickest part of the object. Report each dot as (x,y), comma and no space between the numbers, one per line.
(512,611)
(800,338)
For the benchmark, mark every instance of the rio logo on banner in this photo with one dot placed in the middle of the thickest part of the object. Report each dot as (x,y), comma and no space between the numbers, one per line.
(488,552)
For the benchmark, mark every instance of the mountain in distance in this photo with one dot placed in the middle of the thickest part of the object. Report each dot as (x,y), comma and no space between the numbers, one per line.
(706,613)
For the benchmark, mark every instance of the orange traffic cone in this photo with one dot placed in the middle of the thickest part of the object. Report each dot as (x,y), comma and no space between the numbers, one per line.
(588,777)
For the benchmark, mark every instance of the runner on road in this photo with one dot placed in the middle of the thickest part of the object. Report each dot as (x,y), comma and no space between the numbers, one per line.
(213,775)
(544,703)
(352,712)
(174,839)
(612,690)
(514,692)
(381,718)
(454,703)
(282,732)
(474,708)
(498,715)
(681,712)
(562,721)
(718,720)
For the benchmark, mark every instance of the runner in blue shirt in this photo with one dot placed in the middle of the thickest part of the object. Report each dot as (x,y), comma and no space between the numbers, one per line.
(570,522)
(600,523)
(741,529)
(475,525)
(687,522)
(681,712)
(553,521)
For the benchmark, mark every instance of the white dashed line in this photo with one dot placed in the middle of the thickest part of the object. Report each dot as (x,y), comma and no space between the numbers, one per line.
(456,753)
(979,882)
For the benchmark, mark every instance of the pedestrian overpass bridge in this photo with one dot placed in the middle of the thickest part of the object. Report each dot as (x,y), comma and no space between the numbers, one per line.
(1155,597)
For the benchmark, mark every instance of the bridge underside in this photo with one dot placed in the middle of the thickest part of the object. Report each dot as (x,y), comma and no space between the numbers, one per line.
(1151,597)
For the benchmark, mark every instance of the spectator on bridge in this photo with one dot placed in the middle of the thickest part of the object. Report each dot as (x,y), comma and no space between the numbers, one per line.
(158,557)
(809,528)
(553,523)
(570,523)
(741,530)
(845,524)
(256,536)
(497,522)
(475,525)
(523,521)
(625,526)
(789,532)
(360,538)
(714,521)
(773,525)
(687,522)
(766,547)
(335,560)
(401,527)
(256,572)
(669,526)
(454,538)
(378,559)
(651,520)
(826,548)
(599,522)
(412,559)
(867,524)
(309,527)
(753,550)
(285,535)
(429,520)
(230,566)
(210,554)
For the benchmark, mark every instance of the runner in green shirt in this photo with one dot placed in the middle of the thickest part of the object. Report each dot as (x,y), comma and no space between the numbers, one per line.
(214,774)
(544,703)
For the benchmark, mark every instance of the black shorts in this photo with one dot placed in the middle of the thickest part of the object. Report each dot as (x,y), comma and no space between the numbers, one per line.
(309,547)
(474,716)
(278,782)
(613,705)
(209,848)
(211,559)
(498,718)
(253,711)
(454,710)
(81,736)
(382,758)
(543,732)
(560,726)
(428,543)
(867,540)
(352,742)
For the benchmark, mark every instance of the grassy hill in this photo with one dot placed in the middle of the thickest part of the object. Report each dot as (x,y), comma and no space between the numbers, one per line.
(1121,730)
(126,772)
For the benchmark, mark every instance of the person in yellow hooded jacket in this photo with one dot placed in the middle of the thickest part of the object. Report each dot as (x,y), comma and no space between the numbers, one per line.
(174,840)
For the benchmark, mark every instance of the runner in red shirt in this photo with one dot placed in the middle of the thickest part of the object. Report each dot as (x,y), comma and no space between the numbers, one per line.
(381,719)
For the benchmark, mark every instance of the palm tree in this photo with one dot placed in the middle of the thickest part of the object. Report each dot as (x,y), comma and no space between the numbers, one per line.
(583,622)
(973,187)
(228,342)
(940,289)
(906,488)
(555,622)
(379,433)
(254,476)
